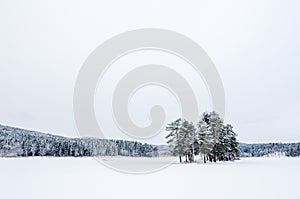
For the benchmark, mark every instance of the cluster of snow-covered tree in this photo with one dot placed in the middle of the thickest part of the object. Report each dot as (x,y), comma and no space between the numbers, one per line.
(210,138)
(269,149)
(19,142)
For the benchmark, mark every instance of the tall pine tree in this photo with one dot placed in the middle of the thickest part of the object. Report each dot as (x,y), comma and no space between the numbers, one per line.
(176,138)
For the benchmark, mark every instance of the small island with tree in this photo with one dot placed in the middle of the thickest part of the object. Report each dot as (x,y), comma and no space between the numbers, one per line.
(210,138)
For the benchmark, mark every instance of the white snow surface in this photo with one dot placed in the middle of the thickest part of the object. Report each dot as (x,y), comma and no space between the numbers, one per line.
(76,178)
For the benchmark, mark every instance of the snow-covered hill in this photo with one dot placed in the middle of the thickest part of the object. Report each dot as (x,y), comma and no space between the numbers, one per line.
(15,142)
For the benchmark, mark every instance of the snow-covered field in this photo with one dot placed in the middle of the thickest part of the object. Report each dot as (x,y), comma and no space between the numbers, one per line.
(36,178)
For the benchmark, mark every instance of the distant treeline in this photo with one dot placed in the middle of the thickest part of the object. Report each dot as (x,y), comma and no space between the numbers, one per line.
(269,149)
(15,142)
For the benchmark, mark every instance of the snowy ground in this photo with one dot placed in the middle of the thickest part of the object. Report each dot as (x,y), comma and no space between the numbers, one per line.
(75,178)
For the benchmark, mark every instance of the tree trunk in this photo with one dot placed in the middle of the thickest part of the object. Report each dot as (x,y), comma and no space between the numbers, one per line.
(215,156)
(180,160)
(204,159)
(192,159)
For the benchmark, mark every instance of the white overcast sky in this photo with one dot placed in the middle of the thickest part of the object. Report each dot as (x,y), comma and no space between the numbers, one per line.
(255,46)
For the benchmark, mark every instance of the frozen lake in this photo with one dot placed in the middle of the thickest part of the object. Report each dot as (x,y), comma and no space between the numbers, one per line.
(75,178)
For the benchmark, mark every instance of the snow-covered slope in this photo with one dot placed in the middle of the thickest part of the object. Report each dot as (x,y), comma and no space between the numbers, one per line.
(15,142)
